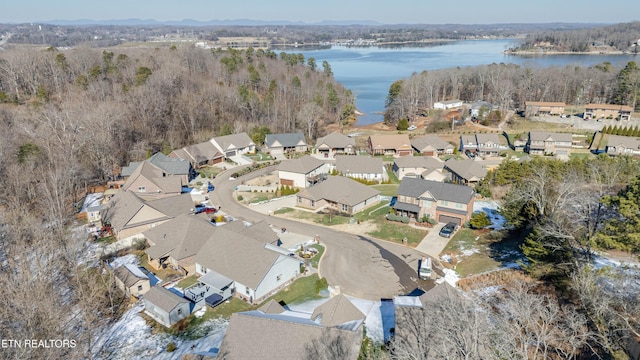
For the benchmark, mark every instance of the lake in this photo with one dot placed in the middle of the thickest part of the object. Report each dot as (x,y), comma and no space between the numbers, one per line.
(370,71)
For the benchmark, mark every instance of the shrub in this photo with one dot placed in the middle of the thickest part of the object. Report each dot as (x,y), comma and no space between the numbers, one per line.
(171,347)
(479,220)
(405,219)
(321,284)
(240,198)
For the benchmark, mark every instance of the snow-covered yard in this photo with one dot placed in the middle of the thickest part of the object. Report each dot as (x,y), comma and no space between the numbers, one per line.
(491,209)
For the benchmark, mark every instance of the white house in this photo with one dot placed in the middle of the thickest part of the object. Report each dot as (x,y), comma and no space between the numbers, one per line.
(165,307)
(256,268)
(449,104)
(234,144)
(302,172)
(362,167)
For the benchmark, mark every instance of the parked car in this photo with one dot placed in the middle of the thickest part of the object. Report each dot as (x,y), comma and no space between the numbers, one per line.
(412,127)
(206,210)
(469,154)
(448,229)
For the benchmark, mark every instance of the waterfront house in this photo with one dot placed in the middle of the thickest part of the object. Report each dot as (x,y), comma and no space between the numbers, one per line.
(335,144)
(396,145)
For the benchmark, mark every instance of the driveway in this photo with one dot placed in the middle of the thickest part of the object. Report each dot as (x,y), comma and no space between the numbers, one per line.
(360,266)
(433,244)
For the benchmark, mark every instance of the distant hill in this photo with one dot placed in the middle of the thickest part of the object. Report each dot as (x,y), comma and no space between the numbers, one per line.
(191,22)
(619,38)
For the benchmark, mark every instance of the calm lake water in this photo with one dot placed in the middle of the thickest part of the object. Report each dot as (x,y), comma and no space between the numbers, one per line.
(369,71)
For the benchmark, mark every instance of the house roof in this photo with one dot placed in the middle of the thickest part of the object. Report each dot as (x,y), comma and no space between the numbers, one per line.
(272,307)
(352,164)
(284,140)
(128,170)
(233,141)
(337,311)
(423,162)
(449,102)
(489,137)
(467,169)
(180,237)
(439,293)
(544,103)
(259,335)
(259,231)
(170,165)
(396,141)
(168,183)
(237,257)
(129,274)
(163,298)
(429,142)
(627,142)
(545,135)
(202,152)
(216,280)
(468,139)
(440,191)
(335,140)
(608,107)
(126,210)
(302,165)
(341,190)
(413,208)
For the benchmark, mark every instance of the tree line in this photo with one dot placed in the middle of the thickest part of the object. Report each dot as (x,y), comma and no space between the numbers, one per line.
(509,86)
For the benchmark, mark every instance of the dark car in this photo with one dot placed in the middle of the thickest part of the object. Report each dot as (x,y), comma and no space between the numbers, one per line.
(206,210)
(447,230)
(469,154)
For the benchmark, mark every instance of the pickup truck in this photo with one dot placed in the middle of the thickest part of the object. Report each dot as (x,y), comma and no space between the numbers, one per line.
(425,269)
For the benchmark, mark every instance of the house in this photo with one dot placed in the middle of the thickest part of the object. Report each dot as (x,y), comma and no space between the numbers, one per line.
(234,144)
(204,153)
(302,172)
(396,145)
(449,104)
(607,111)
(339,193)
(623,145)
(157,177)
(431,145)
(542,108)
(465,172)
(284,143)
(483,144)
(549,143)
(361,167)
(272,332)
(164,306)
(176,242)
(335,144)
(131,280)
(257,269)
(129,215)
(480,109)
(426,167)
(443,202)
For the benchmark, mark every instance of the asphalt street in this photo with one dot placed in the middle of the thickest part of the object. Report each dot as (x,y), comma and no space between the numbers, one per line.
(360,266)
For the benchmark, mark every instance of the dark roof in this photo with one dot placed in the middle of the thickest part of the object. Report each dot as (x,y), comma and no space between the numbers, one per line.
(129,274)
(170,165)
(440,191)
(285,140)
(413,208)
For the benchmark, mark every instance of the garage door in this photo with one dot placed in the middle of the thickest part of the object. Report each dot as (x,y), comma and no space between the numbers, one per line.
(287,182)
(446,219)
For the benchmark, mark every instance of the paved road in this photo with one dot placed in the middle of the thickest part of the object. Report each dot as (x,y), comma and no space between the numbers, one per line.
(361,266)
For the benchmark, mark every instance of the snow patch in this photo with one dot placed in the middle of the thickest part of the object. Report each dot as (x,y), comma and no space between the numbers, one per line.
(450,276)
(129,259)
(491,209)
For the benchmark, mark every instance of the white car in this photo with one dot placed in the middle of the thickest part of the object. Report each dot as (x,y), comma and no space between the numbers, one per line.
(412,127)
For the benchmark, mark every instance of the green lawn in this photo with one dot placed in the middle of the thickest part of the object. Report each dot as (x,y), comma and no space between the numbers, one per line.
(387,189)
(324,219)
(463,239)
(395,232)
(260,156)
(316,259)
(374,213)
(186,282)
(392,176)
(284,210)
(209,171)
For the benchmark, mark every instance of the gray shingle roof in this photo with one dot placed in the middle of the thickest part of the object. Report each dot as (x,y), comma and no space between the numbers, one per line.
(285,140)
(467,169)
(434,141)
(256,335)
(441,191)
(180,237)
(302,165)
(129,274)
(424,162)
(170,165)
(163,298)
(336,140)
(337,311)
(340,189)
(233,141)
(353,164)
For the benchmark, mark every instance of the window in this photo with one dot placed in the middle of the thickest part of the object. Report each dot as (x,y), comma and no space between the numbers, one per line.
(246,289)
(345,207)
(458,205)
(313,203)
(179,311)
(299,199)
(139,287)
(142,189)
(445,203)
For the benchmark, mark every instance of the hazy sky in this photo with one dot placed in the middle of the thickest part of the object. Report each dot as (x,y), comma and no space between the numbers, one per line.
(383,11)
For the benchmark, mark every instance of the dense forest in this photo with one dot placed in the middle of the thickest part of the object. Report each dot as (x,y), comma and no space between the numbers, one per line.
(614,38)
(508,86)
(68,118)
